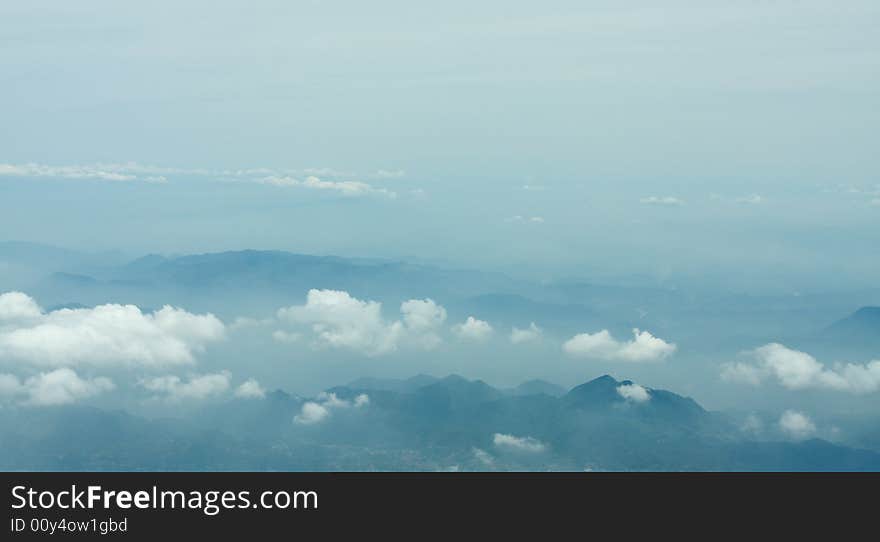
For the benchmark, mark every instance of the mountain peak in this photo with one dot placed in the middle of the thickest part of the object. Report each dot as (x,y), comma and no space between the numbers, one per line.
(861,328)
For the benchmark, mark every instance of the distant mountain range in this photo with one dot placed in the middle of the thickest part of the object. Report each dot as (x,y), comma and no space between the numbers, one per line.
(421,423)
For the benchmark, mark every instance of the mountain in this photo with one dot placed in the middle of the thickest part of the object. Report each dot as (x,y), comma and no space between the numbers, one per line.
(392,384)
(598,393)
(861,328)
(452,421)
(535,387)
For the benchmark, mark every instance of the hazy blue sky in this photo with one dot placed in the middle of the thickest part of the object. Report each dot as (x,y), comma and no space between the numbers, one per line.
(709,139)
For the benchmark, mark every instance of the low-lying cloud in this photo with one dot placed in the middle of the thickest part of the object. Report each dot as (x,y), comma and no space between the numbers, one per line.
(173,388)
(798,370)
(530,334)
(634,393)
(314,412)
(58,387)
(250,389)
(796,425)
(473,329)
(644,347)
(104,335)
(338,320)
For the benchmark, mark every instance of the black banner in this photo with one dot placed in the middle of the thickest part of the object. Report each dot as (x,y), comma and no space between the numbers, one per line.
(151,506)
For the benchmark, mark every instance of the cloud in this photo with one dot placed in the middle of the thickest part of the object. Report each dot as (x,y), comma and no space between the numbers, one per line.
(339,320)
(281,336)
(797,370)
(526,219)
(473,329)
(644,347)
(634,393)
(58,387)
(483,457)
(244,322)
(132,171)
(518,444)
(753,199)
(173,388)
(16,306)
(345,188)
(103,335)
(94,172)
(331,400)
(422,314)
(423,318)
(250,389)
(530,334)
(388,174)
(741,372)
(313,412)
(669,201)
(796,425)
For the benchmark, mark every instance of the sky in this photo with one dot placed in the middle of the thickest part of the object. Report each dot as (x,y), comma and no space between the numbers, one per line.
(698,142)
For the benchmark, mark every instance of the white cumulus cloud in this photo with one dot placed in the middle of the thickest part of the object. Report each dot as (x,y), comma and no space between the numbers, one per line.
(796,425)
(339,320)
(250,389)
(798,370)
(473,329)
(529,334)
(103,335)
(311,413)
(317,411)
(423,318)
(59,387)
(644,347)
(634,393)
(17,307)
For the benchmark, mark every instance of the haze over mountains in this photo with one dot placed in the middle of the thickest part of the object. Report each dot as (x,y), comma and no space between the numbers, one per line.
(426,423)
(252,281)
(384,419)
